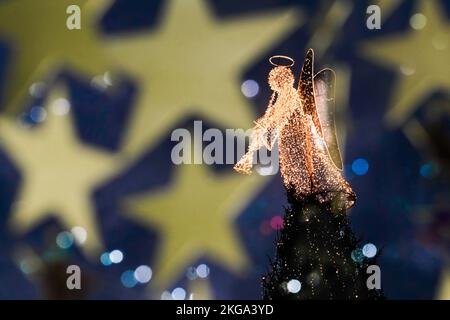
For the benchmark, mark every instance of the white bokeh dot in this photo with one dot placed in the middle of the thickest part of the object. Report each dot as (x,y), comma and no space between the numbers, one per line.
(166,295)
(107,79)
(178,294)
(369,250)
(143,274)
(294,286)
(418,21)
(202,271)
(60,106)
(407,71)
(250,88)
(79,234)
(37,89)
(116,256)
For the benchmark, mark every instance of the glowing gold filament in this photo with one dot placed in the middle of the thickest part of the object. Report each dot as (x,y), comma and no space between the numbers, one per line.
(302,122)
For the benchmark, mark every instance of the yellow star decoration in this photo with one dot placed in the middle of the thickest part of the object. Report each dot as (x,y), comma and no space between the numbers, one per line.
(195,219)
(58,173)
(192,66)
(424,57)
(444,289)
(200,289)
(40,42)
(387,7)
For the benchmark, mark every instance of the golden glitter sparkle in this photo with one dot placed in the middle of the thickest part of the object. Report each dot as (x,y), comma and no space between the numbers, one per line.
(302,122)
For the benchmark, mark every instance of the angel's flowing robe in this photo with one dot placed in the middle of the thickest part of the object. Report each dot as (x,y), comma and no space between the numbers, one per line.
(305,164)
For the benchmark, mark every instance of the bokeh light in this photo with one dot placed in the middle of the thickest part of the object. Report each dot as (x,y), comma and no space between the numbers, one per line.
(37,89)
(60,106)
(178,294)
(357,255)
(191,273)
(428,170)
(143,274)
(116,256)
(418,21)
(128,280)
(28,266)
(360,166)
(105,260)
(276,222)
(38,114)
(369,250)
(294,286)
(203,271)
(79,234)
(250,88)
(166,295)
(64,240)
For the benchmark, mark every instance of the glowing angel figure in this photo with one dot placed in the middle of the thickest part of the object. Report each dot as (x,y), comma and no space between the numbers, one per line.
(302,122)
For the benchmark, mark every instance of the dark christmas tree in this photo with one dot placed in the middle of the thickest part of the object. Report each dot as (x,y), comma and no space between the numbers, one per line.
(318,255)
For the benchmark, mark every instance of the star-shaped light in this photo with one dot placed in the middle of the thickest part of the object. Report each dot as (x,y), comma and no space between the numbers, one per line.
(192,64)
(444,286)
(58,172)
(420,57)
(40,42)
(195,218)
(387,7)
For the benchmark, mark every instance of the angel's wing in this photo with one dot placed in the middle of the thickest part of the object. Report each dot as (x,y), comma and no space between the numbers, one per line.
(324,85)
(306,91)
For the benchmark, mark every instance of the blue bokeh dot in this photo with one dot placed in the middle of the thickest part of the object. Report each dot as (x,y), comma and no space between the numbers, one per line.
(128,280)
(38,114)
(105,260)
(427,170)
(360,166)
(357,255)
(64,240)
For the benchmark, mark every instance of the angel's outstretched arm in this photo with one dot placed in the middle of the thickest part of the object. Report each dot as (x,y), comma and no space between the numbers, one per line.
(245,164)
(261,136)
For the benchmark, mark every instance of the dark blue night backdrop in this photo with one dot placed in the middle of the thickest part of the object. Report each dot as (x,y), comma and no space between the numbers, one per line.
(402,185)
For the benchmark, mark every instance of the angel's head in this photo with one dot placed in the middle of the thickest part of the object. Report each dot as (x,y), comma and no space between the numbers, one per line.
(280,78)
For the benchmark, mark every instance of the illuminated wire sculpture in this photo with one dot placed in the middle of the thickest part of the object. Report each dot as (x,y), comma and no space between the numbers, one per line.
(302,122)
